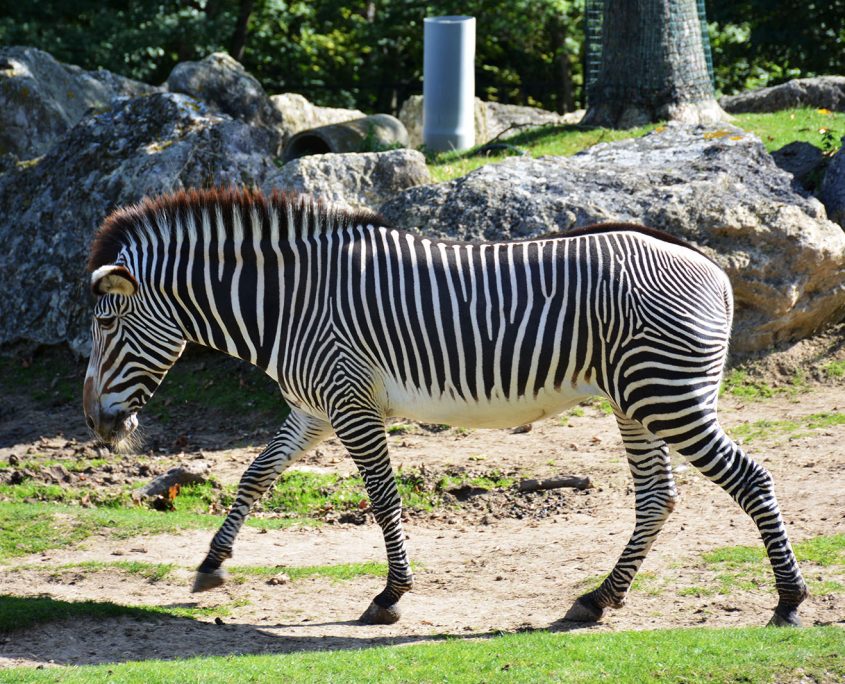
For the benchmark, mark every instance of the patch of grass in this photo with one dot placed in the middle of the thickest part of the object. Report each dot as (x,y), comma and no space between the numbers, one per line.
(339,573)
(22,612)
(52,376)
(799,427)
(821,128)
(746,567)
(677,655)
(33,528)
(561,141)
(835,370)
(737,383)
(153,572)
(30,490)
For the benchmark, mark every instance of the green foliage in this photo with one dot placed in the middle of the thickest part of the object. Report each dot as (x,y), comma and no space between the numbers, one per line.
(339,573)
(676,655)
(759,42)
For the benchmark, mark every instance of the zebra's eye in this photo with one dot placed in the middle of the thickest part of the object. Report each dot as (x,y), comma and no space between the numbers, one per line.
(106,322)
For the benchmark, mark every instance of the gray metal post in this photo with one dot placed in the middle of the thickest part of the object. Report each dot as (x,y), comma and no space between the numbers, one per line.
(449,83)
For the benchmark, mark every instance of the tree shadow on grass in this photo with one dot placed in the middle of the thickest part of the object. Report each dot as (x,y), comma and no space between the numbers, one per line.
(42,629)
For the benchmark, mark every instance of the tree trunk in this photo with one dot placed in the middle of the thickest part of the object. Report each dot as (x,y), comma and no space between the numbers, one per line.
(653,66)
(239,36)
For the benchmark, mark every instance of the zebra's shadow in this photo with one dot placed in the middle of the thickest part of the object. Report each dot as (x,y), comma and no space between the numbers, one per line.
(94,633)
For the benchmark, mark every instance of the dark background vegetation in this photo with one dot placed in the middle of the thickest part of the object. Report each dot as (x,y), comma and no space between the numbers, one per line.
(368,53)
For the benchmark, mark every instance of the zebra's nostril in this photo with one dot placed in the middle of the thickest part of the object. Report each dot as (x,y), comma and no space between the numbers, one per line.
(89,421)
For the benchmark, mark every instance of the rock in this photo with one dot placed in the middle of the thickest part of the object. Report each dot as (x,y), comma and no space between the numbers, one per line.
(717,188)
(514,119)
(354,180)
(804,161)
(225,86)
(49,210)
(826,92)
(298,114)
(833,188)
(280,579)
(411,114)
(195,472)
(491,119)
(41,99)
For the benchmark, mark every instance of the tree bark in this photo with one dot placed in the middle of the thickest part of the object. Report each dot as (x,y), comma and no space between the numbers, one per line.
(652,66)
(239,36)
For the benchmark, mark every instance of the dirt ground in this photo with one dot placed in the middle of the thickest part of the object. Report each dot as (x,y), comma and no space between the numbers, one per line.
(494,563)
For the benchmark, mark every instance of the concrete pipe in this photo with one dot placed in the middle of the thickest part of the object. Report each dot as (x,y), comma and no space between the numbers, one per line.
(359,135)
(448,83)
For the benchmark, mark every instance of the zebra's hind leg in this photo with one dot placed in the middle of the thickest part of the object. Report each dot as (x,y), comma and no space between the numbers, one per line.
(655,492)
(299,433)
(721,460)
(362,432)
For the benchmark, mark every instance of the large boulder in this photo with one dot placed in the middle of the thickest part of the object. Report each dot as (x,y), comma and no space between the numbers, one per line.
(833,188)
(411,115)
(827,92)
(50,209)
(353,180)
(298,114)
(513,119)
(804,161)
(719,189)
(492,119)
(221,82)
(41,99)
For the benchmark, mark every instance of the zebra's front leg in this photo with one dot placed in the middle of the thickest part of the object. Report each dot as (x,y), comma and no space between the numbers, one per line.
(655,492)
(299,433)
(363,434)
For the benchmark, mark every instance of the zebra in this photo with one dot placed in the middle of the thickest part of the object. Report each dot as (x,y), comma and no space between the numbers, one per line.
(358,322)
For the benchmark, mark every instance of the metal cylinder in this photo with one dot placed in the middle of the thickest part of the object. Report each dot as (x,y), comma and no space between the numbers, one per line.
(448,83)
(379,131)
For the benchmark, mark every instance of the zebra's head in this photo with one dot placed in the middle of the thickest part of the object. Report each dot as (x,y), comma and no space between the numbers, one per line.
(134,345)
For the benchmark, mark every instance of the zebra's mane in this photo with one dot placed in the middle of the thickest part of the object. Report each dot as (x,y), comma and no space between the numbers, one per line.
(124,225)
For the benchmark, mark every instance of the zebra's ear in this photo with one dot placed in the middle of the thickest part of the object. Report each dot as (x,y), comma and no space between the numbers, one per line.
(113,279)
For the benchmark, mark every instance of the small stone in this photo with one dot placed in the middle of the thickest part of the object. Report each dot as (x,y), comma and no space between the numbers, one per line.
(281,578)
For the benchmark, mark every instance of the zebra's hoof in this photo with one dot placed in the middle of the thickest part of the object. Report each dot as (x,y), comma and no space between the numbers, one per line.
(585,609)
(786,618)
(376,615)
(203,581)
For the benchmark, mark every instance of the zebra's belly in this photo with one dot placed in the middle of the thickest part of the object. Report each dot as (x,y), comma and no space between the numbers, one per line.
(496,412)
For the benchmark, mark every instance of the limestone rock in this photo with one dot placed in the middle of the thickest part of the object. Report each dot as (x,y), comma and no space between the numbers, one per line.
(833,188)
(804,161)
(826,92)
(353,180)
(513,119)
(719,189)
(491,119)
(40,99)
(411,115)
(49,210)
(298,114)
(225,86)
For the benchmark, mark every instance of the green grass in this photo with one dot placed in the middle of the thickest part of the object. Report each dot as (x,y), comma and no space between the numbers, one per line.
(680,655)
(835,370)
(22,612)
(488,481)
(800,427)
(339,573)
(33,528)
(746,567)
(775,130)
(549,140)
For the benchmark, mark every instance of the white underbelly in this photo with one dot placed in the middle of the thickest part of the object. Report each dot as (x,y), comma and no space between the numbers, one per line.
(496,412)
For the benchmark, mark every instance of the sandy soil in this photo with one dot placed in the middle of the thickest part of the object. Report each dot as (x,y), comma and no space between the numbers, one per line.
(480,570)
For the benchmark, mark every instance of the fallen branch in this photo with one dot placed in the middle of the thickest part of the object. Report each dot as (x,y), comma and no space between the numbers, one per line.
(554,483)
